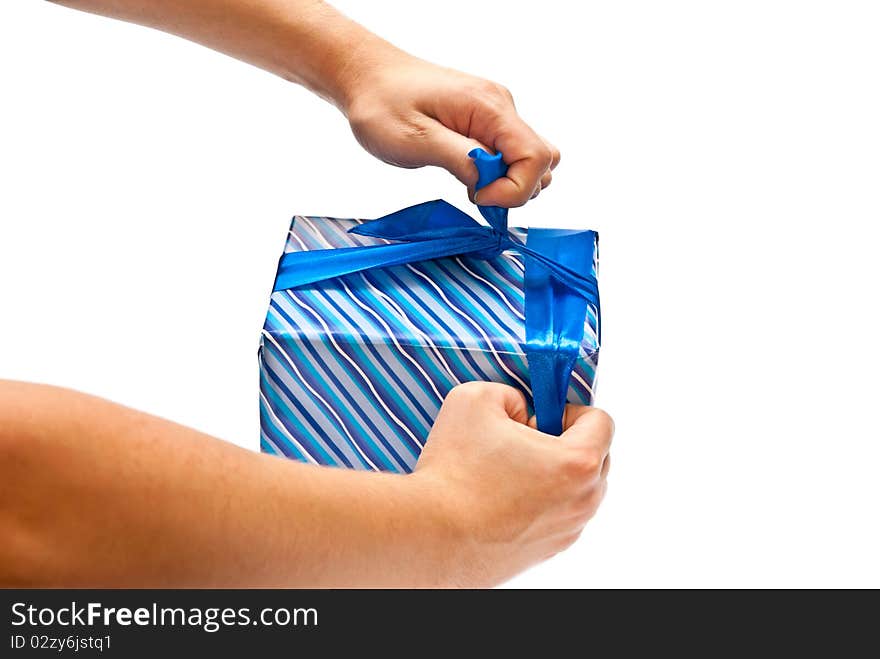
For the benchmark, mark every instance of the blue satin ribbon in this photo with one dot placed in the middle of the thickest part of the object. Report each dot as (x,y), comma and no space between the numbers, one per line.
(558,281)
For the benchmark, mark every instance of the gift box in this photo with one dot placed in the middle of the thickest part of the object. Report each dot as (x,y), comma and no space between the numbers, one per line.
(372,322)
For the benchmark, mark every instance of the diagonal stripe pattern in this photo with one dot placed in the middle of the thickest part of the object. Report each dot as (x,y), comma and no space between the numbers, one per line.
(353,370)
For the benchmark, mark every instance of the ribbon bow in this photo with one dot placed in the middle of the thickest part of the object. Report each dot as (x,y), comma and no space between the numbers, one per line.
(558,281)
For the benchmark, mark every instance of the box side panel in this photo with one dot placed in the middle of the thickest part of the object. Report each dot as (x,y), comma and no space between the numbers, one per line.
(371,406)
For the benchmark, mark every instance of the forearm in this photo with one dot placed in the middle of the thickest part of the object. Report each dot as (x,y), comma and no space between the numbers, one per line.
(305,41)
(403,110)
(95,494)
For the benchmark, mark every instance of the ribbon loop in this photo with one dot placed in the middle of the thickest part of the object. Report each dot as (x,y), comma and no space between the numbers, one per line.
(431,219)
(558,281)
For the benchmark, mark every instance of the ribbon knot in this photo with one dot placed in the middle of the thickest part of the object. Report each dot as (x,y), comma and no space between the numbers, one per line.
(558,280)
(500,242)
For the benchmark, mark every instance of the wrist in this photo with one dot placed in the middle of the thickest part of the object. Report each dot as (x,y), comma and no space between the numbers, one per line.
(332,55)
(361,70)
(445,532)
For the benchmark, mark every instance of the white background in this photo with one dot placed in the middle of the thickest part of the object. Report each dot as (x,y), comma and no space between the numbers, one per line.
(729,153)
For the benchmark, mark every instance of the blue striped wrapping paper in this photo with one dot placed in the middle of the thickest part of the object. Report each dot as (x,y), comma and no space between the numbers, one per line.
(353,370)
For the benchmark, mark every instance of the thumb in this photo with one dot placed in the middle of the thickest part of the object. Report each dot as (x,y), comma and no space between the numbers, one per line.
(449,150)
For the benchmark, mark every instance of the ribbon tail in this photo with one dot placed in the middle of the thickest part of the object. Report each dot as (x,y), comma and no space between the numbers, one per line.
(489,169)
(297,269)
(555,314)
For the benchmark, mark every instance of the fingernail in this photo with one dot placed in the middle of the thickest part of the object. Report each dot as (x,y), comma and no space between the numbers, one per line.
(476,195)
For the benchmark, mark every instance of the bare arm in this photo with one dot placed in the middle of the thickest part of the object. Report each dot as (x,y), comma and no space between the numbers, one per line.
(304,41)
(95,494)
(403,110)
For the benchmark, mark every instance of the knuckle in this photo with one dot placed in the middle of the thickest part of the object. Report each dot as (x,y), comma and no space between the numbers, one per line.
(485,86)
(542,156)
(591,462)
(493,89)
(494,97)
(604,423)
(584,464)
(504,92)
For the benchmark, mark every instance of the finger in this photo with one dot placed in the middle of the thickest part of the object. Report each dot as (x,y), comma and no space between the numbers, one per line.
(488,398)
(547,177)
(588,426)
(544,182)
(527,156)
(554,153)
(449,150)
(606,466)
(517,187)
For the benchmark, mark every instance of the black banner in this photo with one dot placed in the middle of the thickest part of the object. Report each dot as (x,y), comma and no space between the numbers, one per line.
(134,623)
